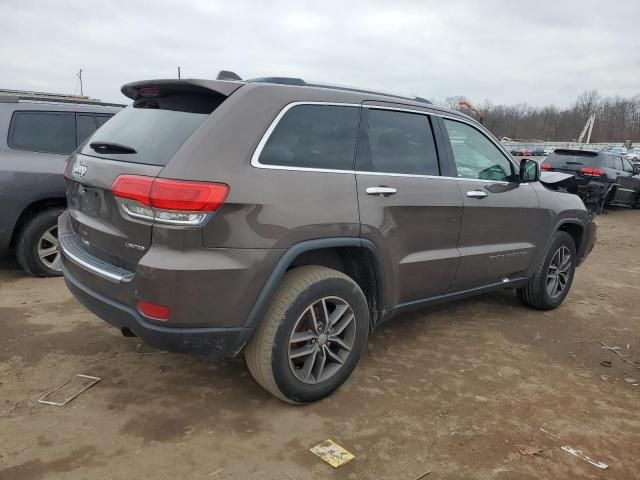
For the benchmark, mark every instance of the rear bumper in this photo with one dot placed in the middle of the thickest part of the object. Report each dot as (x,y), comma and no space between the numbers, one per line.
(223,342)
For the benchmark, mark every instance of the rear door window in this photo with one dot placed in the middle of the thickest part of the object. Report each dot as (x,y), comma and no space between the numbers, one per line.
(313,136)
(47,132)
(401,142)
(152,129)
(476,156)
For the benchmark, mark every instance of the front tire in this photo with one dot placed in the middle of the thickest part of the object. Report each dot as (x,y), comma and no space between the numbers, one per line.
(312,336)
(552,280)
(37,249)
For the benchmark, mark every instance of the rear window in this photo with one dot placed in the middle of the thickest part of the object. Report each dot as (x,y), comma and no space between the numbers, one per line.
(561,158)
(313,136)
(155,128)
(48,132)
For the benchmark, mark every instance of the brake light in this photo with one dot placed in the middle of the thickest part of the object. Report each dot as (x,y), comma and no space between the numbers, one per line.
(592,172)
(151,310)
(169,201)
(191,196)
(148,91)
(545,166)
(133,187)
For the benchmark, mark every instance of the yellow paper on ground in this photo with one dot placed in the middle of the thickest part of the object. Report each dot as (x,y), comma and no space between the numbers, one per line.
(332,453)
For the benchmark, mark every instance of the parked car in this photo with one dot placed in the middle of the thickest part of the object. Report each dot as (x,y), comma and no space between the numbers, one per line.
(37,134)
(547,151)
(223,217)
(537,152)
(601,177)
(616,149)
(633,155)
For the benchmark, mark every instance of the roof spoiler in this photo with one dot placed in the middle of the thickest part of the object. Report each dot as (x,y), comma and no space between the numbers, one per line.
(228,75)
(162,88)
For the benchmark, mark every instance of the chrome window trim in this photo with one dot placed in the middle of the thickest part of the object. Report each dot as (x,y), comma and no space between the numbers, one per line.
(255,158)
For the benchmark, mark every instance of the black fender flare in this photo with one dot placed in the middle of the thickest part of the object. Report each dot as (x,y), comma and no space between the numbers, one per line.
(556,228)
(264,297)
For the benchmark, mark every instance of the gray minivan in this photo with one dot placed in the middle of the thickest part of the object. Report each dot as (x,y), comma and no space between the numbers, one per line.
(286,220)
(38,131)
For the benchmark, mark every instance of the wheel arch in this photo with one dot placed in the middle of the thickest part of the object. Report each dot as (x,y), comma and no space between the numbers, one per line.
(356,257)
(573,228)
(32,210)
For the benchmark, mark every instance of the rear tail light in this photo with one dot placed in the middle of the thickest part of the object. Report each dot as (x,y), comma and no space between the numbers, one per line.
(151,310)
(181,202)
(592,172)
(545,166)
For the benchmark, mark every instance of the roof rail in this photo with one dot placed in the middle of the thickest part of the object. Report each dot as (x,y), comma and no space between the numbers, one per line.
(15,96)
(229,75)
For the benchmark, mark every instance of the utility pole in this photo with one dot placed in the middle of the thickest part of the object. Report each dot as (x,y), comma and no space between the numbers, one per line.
(179,72)
(80,77)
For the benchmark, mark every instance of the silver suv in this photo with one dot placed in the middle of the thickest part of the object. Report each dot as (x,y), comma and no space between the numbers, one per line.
(38,131)
(286,220)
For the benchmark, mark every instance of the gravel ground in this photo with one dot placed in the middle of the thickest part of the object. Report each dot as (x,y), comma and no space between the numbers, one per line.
(458,391)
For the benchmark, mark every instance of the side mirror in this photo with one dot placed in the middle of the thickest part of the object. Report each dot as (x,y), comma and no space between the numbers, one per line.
(636,168)
(529,170)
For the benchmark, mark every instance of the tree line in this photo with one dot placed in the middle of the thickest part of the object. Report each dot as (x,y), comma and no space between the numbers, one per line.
(617,119)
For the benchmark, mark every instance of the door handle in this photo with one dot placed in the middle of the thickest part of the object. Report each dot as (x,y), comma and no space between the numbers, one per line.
(381,191)
(477,194)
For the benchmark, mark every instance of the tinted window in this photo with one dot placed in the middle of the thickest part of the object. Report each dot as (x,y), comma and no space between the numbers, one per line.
(401,143)
(567,158)
(49,132)
(86,126)
(626,165)
(313,136)
(617,163)
(101,119)
(475,155)
(154,127)
(609,162)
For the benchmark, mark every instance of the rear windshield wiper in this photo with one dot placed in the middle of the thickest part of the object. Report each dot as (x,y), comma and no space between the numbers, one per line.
(108,147)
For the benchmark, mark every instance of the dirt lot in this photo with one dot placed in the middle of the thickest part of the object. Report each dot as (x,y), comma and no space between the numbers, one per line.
(455,391)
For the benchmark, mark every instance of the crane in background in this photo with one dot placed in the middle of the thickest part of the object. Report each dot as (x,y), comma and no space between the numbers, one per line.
(466,106)
(588,127)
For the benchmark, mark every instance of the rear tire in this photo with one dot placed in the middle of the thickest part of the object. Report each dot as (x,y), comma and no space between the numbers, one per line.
(37,249)
(552,280)
(327,312)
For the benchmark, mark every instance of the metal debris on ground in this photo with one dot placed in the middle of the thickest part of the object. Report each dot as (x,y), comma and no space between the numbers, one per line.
(551,434)
(582,456)
(332,453)
(529,451)
(420,477)
(84,382)
(615,350)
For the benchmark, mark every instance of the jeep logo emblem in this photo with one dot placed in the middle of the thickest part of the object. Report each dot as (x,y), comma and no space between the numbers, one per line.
(79,169)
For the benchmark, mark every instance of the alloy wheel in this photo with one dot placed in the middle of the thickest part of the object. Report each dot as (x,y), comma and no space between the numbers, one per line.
(49,249)
(559,271)
(322,339)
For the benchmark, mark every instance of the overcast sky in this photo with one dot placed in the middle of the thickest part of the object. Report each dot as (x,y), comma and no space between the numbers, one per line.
(535,51)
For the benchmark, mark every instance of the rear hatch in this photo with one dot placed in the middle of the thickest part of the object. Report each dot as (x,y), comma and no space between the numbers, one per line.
(585,165)
(107,177)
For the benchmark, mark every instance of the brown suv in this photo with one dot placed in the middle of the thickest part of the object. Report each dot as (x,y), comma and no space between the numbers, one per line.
(286,220)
